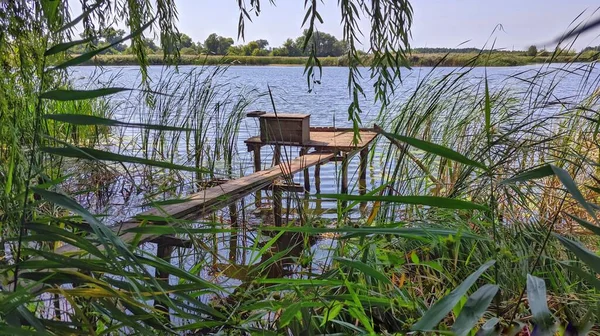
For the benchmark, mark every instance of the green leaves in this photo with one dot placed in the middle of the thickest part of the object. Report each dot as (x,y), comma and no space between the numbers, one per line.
(364,268)
(564,178)
(66,46)
(589,258)
(433,201)
(88,120)
(441,308)
(472,311)
(543,171)
(436,149)
(66,95)
(87,56)
(542,317)
(96,154)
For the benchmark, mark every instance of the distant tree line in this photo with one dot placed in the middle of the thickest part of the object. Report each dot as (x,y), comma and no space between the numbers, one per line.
(325,45)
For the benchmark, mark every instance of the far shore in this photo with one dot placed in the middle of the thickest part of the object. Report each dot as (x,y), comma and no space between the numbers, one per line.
(415,60)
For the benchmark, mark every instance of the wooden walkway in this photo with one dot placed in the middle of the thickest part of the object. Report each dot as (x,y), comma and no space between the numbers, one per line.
(209,200)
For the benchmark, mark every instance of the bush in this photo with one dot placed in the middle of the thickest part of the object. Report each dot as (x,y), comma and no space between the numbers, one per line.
(187,51)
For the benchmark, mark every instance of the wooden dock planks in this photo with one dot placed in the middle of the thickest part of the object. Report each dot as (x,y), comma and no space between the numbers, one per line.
(203,203)
(326,139)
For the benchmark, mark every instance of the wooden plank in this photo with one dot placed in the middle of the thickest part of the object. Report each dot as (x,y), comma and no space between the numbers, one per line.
(328,139)
(207,201)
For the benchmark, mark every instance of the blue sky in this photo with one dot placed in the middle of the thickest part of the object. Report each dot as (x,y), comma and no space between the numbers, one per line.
(436,23)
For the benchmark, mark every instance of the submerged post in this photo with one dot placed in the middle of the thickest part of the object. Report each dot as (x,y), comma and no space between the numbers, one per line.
(303,151)
(257,168)
(277,155)
(362,171)
(318,179)
(163,251)
(345,160)
(277,199)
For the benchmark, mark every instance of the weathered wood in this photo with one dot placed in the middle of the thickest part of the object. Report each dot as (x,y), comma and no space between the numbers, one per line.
(288,127)
(318,179)
(345,174)
(303,151)
(207,201)
(328,139)
(277,206)
(172,241)
(164,252)
(276,155)
(286,186)
(257,168)
(362,171)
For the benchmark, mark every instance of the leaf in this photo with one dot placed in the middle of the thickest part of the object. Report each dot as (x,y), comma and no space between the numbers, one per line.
(589,258)
(594,228)
(364,268)
(87,56)
(436,149)
(568,182)
(96,154)
(67,95)
(489,328)
(474,309)
(442,307)
(106,235)
(87,120)
(589,278)
(564,178)
(83,15)
(542,317)
(66,46)
(433,201)
(288,314)
(488,111)
(532,174)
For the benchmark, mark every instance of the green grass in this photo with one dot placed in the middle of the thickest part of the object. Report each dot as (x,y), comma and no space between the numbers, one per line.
(454,60)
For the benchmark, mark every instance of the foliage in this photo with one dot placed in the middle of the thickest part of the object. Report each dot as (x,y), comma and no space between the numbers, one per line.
(217,45)
(532,51)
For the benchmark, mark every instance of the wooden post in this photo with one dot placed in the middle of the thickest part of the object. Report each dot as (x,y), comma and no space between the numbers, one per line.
(318,178)
(306,175)
(277,199)
(277,155)
(163,251)
(233,215)
(345,173)
(257,167)
(362,171)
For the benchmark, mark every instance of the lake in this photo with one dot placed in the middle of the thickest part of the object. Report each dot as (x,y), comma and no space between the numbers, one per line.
(327,103)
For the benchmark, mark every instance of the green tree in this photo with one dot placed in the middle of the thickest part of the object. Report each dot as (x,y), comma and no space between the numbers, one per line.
(217,45)
(532,51)
(185,41)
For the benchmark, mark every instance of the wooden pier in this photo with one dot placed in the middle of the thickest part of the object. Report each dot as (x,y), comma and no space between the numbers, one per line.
(318,146)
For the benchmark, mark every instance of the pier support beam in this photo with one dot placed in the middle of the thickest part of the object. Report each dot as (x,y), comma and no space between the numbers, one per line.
(277,207)
(163,251)
(318,179)
(303,151)
(345,160)
(277,155)
(362,171)
(257,168)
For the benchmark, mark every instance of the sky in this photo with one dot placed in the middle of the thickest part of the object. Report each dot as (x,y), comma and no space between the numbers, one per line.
(436,23)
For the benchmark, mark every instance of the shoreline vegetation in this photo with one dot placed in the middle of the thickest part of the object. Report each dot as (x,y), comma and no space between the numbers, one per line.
(415,60)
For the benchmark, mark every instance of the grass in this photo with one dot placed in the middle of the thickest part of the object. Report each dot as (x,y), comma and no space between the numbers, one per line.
(416,60)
